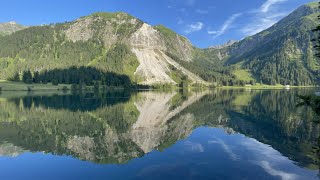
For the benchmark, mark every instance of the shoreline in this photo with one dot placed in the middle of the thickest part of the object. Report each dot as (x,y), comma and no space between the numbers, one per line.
(266,87)
(9,86)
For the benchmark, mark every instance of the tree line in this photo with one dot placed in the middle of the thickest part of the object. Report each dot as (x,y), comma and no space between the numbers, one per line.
(74,75)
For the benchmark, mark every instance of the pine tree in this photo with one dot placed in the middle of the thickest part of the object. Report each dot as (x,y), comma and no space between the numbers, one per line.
(27,77)
(36,77)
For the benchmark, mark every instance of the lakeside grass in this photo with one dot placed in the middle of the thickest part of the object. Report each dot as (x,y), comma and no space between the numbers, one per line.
(19,86)
(264,86)
(19,94)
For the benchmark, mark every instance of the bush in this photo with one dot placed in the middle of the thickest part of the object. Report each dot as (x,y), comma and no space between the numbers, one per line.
(64,88)
(29,88)
(55,82)
(74,87)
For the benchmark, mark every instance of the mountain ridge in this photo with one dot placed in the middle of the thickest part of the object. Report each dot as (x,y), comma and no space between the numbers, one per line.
(8,28)
(123,44)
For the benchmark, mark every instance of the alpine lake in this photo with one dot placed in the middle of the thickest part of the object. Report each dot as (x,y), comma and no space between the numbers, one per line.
(214,134)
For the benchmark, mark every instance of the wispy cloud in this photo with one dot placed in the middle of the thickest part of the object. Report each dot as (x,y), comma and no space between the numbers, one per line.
(267,15)
(261,23)
(195,147)
(202,11)
(269,159)
(226,148)
(194,27)
(277,173)
(268,4)
(180,21)
(226,25)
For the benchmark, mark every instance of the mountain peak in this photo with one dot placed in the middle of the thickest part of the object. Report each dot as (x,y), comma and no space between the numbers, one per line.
(112,15)
(12,22)
(227,44)
(10,27)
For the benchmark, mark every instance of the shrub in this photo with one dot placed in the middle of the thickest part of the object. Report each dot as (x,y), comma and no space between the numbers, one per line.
(54,82)
(29,88)
(64,88)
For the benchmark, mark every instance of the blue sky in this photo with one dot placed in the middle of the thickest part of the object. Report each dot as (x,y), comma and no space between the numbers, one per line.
(204,22)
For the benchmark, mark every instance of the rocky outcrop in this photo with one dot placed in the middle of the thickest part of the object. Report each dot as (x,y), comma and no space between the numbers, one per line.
(147,43)
(10,27)
(149,46)
(10,150)
(80,30)
(148,38)
(227,44)
(153,67)
(82,146)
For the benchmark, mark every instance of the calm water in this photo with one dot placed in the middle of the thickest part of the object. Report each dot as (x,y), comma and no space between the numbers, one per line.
(223,134)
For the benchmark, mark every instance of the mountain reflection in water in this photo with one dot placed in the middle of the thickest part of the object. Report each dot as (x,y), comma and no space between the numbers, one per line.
(160,134)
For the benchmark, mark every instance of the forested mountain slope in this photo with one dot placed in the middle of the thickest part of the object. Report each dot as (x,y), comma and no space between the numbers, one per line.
(282,54)
(124,45)
(113,42)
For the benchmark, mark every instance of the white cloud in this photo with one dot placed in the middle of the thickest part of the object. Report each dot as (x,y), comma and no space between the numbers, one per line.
(267,15)
(194,27)
(226,148)
(269,159)
(268,4)
(277,173)
(180,21)
(260,25)
(226,25)
(195,147)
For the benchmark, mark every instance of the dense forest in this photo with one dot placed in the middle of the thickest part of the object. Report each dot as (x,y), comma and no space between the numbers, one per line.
(216,73)
(45,49)
(75,75)
(282,54)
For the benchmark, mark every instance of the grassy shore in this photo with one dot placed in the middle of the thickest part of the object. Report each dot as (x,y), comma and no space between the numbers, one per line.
(258,86)
(19,86)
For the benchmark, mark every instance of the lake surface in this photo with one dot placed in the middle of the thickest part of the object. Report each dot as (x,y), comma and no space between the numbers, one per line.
(220,134)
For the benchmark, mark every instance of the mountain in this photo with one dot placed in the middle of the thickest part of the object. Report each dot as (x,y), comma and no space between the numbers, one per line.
(115,42)
(9,28)
(122,44)
(282,54)
(112,132)
(227,44)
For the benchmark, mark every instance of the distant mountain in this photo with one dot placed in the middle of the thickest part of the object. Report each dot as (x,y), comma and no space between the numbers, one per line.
(9,28)
(282,54)
(122,44)
(227,44)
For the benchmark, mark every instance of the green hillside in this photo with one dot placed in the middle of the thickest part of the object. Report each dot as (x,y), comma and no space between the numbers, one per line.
(282,54)
(119,43)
